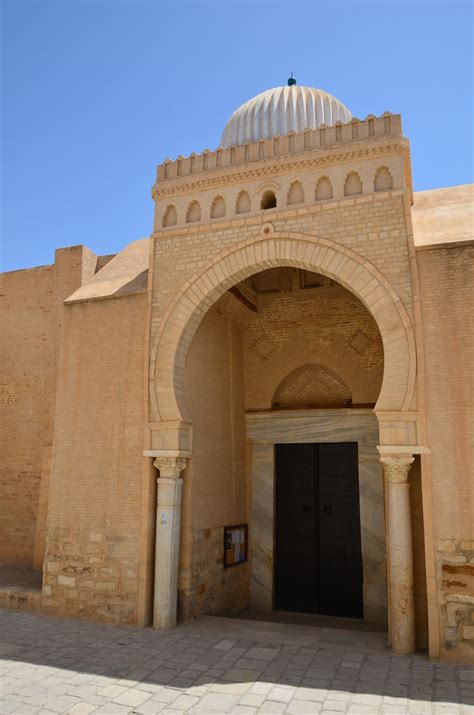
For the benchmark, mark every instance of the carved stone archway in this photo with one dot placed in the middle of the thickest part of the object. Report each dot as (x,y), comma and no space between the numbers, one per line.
(169,414)
(268,250)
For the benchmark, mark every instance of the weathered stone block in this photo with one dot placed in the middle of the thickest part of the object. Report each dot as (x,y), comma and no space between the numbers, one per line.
(67,581)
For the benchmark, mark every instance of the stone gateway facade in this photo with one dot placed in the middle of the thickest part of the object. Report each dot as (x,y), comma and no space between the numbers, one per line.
(291,350)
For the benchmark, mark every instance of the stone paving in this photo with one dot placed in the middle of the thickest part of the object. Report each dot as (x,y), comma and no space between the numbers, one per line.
(216,665)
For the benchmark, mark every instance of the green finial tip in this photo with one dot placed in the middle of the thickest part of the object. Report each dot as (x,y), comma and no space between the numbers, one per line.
(291,80)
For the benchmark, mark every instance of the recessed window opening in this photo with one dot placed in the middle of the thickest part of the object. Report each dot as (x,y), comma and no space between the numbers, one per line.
(268,200)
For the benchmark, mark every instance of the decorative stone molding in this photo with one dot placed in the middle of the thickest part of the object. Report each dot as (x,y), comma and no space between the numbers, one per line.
(170,467)
(267,229)
(230,178)
(396,468)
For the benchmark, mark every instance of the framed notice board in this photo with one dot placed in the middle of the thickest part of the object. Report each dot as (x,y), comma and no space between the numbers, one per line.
(235,545)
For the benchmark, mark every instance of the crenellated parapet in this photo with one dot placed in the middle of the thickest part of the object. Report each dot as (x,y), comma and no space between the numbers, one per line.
(321,138)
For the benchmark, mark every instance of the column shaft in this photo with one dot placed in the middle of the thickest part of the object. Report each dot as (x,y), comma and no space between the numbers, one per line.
(400,555)
(168,532)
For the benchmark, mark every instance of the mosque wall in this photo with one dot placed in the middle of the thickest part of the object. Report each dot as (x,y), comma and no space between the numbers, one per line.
(215,481)
(31,323)
(98,479)
(446,278)
(27,382)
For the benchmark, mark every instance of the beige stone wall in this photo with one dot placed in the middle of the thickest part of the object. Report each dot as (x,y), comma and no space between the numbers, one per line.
(215,482)
(31,321)
(446,280)
(98,479)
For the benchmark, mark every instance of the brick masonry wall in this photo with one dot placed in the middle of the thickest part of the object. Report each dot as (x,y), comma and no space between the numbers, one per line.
(95,500)
(446,280)
(215,482)
(31,306)
(27,348)
(326,325)
(373,225)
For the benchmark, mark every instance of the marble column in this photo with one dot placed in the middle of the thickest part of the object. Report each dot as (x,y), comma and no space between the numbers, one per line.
(168,527)
(399,553)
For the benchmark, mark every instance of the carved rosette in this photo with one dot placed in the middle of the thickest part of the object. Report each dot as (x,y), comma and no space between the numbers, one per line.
(170,467)
(396,468)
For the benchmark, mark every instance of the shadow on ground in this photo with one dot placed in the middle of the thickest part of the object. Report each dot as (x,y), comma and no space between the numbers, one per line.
(217,665)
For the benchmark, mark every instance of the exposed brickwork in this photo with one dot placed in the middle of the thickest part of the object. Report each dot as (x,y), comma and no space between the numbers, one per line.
(92,555)
(215,482)
(446,280)
(31,320)
(27,346)
(327,326)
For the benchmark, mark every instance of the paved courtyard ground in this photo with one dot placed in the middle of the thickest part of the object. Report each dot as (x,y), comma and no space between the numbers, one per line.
(216,665)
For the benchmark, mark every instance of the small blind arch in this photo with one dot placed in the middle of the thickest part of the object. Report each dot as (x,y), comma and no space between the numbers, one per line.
(295,193)
(170,217)
(242,205)
(324,189)
(218,207)
(383,179)
(353,184)
(194,212)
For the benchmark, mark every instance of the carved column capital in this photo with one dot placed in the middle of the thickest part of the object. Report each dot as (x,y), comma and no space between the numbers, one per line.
(397,467)
(170,467)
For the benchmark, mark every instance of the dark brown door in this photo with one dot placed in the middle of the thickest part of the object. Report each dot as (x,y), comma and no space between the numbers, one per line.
(296,536)
(318,563)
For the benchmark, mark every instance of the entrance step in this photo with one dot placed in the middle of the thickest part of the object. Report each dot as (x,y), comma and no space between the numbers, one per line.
(290,634)
(310,619)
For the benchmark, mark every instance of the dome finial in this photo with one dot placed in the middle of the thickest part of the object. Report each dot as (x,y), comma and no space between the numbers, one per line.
(291,80)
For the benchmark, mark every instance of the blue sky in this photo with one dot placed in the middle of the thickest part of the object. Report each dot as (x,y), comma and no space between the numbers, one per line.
(95,94)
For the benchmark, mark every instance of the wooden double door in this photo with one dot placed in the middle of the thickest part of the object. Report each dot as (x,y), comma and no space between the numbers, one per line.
(318,561)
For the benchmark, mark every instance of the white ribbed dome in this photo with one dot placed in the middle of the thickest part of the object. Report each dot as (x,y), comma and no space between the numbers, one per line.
(282,110)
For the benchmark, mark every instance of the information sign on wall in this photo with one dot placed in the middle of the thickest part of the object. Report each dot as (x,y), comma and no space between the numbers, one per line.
(235,545)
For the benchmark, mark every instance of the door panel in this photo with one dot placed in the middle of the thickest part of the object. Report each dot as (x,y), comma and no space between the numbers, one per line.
(296,546)
(340,572)
(318,562)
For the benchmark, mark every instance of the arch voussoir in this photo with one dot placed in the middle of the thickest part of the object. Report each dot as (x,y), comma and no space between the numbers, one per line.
(313,253)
